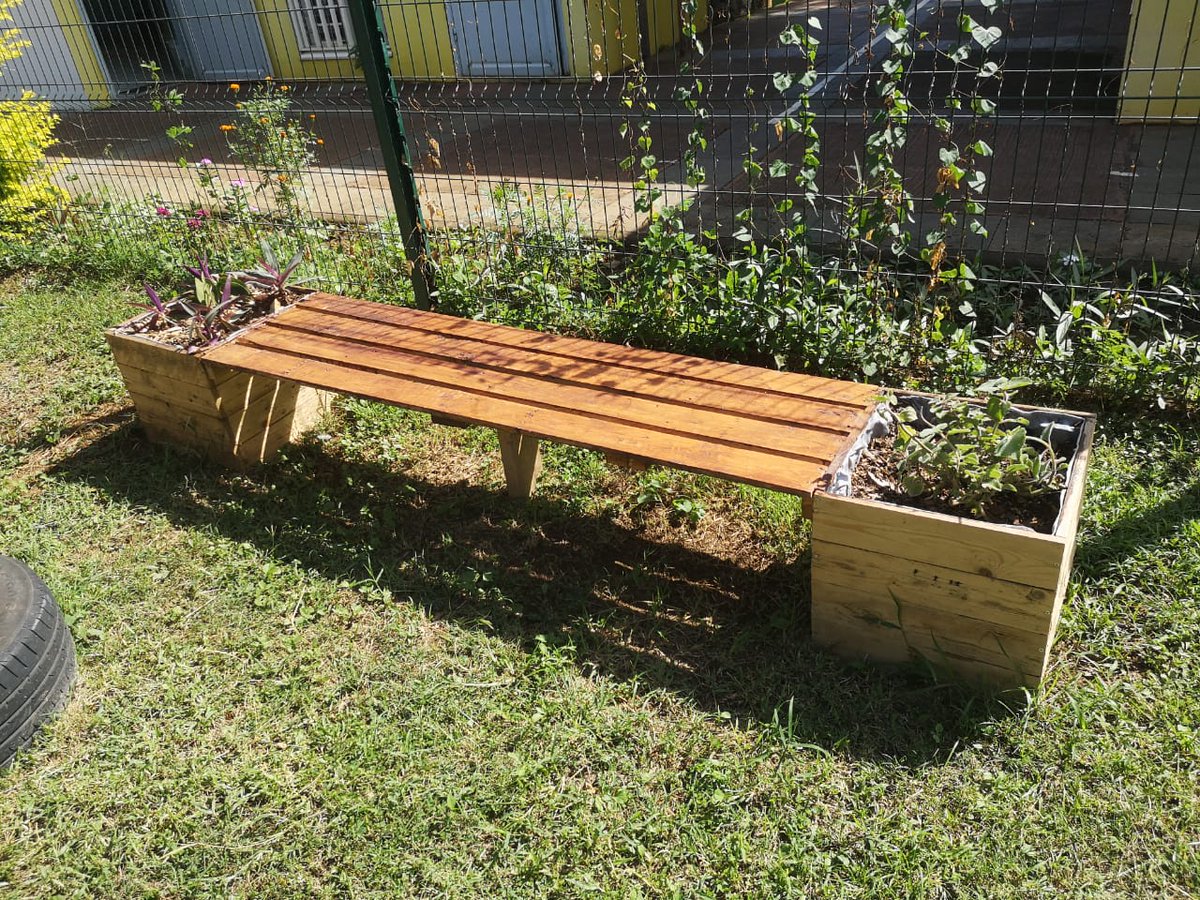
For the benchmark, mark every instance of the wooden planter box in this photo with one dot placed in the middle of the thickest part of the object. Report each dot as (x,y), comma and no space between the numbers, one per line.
(893,584)
(232,417)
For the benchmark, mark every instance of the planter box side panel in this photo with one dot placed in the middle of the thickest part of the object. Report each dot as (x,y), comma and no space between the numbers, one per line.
(233,417)
(893,584)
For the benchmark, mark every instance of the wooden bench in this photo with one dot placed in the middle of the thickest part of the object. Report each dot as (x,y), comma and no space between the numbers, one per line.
(773,429)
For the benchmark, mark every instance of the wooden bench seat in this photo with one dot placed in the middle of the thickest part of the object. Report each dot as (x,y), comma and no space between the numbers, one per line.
(773,429)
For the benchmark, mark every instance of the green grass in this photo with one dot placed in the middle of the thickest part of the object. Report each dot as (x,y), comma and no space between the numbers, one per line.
(363,671)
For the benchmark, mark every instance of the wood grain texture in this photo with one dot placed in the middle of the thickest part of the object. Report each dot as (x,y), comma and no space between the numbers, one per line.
(772,429)
(855,635)
(610,377)
(1018,606)
(967,545)
(522,457)
(850,394)
(234,417)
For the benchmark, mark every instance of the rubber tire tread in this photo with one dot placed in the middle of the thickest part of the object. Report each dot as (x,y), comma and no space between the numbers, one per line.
(37,661)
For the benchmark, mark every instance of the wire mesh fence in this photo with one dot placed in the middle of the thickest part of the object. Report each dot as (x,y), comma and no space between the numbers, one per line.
(1022,133)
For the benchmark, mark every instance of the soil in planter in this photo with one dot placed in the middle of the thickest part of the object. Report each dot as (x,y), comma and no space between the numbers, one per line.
(876,477)
(178,329)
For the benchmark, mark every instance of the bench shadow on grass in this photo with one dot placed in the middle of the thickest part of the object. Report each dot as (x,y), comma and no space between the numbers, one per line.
(730,640)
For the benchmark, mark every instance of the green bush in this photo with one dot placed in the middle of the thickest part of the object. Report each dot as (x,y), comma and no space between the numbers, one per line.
(26,131)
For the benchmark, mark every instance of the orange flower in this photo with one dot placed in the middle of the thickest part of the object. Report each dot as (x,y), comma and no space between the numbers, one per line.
(263,121)
(235,87)
(228,128)
(284,87)
(320,142)
(268,78)
(313,116)
(282,178)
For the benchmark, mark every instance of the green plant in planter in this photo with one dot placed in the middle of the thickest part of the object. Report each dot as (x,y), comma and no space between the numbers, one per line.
(969,452)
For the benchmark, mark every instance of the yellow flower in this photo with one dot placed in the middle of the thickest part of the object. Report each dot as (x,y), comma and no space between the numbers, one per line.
(235,87)
(239,106)
(263,121)
(284,87)
(228,127)
(269,78)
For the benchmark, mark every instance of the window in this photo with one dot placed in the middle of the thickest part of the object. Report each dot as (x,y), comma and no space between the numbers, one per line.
(322,28)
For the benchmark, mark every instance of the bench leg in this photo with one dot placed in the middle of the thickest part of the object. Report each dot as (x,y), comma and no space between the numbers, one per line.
(522,457)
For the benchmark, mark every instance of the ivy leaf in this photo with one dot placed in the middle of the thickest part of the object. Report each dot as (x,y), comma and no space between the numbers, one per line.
(985,37)
(783,81)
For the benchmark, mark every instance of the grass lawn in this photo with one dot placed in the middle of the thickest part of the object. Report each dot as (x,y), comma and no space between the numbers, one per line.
(362,670)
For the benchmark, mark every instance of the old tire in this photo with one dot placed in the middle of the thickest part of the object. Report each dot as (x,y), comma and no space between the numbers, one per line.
(37,657)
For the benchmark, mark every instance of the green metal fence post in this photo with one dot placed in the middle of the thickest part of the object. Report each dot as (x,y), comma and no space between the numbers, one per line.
(375,57)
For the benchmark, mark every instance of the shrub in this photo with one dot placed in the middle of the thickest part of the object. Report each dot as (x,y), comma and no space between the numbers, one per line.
(26,130)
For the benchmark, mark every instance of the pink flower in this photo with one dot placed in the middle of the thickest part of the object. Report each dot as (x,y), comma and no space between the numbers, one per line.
(162,211)
(193,223)
(206,162)
(202,214)
(238,182)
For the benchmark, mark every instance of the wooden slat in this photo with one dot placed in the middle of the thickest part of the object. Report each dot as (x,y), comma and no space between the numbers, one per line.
(792,443)
(159,359)
(233,394)
(936,588)
(994,551)
(842,623)
(689,393)
(695,454)
(751,377)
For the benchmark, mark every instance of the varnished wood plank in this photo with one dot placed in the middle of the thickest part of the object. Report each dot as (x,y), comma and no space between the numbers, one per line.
(699,455)
(699,395)
(749,377)
(790,443)
(994,551)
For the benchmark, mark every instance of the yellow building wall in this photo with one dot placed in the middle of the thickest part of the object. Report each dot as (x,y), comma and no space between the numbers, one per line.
(1164,38)
(602,35)
(419,34)
(83,53)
